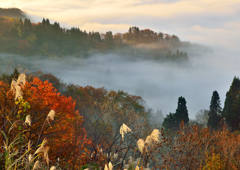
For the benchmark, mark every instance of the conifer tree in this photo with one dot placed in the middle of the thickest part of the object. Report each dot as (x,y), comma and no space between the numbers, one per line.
(214,113)
(182,112)
(173,120)
(231,111)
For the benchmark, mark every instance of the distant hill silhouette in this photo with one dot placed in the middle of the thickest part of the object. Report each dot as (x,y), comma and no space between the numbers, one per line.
(12,12)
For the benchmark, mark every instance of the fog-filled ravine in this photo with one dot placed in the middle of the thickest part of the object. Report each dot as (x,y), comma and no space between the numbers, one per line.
(159,83)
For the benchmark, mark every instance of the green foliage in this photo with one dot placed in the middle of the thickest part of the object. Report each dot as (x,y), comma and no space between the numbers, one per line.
(173,120)
(231,110)
(215,112)
(51,40)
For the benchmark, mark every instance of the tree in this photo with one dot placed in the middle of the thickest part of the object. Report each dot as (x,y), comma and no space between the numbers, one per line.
(173,120)
(231,110)
(215,112)
(66,136)
(158,118)
(202,118)
(182,112)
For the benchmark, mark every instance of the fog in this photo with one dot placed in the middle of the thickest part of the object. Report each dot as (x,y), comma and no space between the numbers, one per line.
(159,83)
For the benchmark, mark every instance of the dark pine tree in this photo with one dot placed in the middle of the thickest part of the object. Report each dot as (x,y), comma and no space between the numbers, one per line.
(214,113)
(231,110)
(173,120)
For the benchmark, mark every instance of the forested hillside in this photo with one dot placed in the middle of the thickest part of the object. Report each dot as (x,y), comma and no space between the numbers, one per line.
(46,123)
(26,38)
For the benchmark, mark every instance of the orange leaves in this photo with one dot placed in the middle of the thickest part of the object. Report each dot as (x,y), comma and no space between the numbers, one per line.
(67,139)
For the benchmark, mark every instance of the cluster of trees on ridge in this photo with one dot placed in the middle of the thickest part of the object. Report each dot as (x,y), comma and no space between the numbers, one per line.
(23,37)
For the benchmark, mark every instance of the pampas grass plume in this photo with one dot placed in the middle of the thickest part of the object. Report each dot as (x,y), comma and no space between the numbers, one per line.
(53,168)
(124,129)
(28,120)
(105,168)
(110,166)
(155,135)
(21,79)
(30,157)
(137,167)
(36,165)
(141,145)
(51,115)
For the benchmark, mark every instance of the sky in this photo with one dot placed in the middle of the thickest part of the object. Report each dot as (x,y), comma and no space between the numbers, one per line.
(213,23)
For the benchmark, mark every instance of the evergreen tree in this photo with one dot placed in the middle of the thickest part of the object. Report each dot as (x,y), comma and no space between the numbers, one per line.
(173,120)
(231,111)
(214,113)
(182,112)
(170,121)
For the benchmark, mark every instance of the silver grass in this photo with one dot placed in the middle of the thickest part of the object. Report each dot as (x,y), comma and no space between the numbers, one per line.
(141,145)
(13,85)
(105,168)
(28,120)
(29,144)
(148,140)
(45,154)
(155,135)
(137,167)
(36,165)
(41,148)
(18,92)
(115,156)
(21,79)
(30,157)
(53,168)
(124,129)
(51,115)
(110,166)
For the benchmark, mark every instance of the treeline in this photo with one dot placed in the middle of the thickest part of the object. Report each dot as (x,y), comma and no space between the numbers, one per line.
(214,118)
(26,38)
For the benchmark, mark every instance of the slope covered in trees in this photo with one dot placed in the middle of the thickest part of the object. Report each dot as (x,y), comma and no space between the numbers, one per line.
(21,36)
(85,129)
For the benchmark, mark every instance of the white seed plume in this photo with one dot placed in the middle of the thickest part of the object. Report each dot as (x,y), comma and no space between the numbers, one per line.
(53,168)
(51,115)
(30,157)
(137,167)
(124,129)
(110,166)
(29,144)
(115,156)
(141,145)
(18,92)
(36,165)
(21,79)
(28,120)
(148,140)
(105,168)
(101,150)
(13,85)
(155,135)
(41,149)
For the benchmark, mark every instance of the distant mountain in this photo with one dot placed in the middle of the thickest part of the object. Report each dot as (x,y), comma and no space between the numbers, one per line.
(12,12)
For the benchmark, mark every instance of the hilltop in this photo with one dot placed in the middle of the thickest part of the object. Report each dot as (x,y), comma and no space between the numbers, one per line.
(12,12)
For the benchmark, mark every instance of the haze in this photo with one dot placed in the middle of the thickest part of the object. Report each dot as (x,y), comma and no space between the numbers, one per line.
(214,23)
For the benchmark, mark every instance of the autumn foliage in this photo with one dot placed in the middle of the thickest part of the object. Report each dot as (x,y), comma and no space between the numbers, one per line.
(66,137)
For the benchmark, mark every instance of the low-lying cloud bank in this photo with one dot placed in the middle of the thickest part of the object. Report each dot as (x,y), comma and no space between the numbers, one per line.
(159,83)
